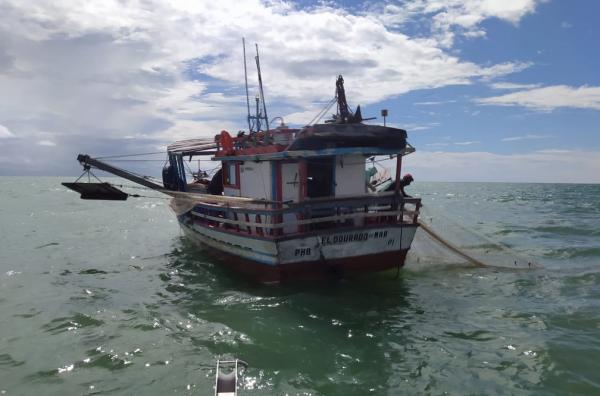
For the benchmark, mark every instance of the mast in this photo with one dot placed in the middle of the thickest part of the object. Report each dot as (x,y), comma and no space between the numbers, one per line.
(255,121)
(260,86)
(246,79)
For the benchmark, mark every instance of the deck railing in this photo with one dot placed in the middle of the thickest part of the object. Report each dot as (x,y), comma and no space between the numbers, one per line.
(276,219)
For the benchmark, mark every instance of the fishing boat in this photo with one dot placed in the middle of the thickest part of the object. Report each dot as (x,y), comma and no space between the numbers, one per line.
(287,203)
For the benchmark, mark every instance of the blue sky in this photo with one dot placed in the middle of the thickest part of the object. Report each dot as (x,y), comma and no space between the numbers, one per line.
(488,90)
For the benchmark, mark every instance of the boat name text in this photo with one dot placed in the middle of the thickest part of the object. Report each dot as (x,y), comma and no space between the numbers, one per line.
(356,237)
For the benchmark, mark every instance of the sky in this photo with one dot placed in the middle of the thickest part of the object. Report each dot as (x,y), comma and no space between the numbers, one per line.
(488,90)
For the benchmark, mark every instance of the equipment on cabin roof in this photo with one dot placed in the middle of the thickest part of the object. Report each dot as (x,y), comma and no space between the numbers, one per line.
(344,114)
(346,130)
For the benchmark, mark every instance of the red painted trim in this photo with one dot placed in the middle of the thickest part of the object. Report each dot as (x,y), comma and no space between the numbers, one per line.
(303,189)
(259,230)
(274,148)
(248,221)
(261,149)
(302,174)
(279,181)
(398,172)
(235,217)
(279,191)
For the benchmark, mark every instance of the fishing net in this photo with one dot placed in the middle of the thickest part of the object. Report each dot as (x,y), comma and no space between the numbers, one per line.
(442,240)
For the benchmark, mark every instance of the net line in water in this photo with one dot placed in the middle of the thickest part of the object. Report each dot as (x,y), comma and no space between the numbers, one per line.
(442,240)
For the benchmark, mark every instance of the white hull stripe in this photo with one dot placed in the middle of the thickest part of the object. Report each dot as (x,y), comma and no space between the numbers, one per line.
(326,246)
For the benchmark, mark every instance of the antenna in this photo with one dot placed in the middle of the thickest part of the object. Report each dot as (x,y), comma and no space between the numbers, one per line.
(254,121)
(246,79)
(262,94)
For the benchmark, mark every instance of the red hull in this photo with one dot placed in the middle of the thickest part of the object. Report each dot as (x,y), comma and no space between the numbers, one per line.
(310,270)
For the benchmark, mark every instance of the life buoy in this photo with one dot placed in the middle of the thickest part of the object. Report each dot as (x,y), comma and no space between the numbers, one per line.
(226,142)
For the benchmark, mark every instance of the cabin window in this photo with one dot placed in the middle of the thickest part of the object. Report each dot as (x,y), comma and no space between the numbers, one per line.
(231,175)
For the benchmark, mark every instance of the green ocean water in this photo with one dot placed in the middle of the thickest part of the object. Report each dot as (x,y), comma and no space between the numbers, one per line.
(108,298)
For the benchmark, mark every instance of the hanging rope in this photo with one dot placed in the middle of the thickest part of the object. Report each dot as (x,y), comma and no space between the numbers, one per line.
(138,188)
(450,246)
(505,257)
(87,170)
(145,196)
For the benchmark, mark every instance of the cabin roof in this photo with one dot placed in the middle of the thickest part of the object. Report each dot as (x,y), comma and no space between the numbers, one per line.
(295,154)
(317,140)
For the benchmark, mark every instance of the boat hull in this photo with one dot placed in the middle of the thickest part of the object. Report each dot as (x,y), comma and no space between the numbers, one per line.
(316,255)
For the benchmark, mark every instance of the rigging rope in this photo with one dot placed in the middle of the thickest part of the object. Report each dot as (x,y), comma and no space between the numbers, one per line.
(130,155)
(321,113)
(136,160)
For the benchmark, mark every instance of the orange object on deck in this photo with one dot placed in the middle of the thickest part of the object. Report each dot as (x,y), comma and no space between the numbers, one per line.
(226,142)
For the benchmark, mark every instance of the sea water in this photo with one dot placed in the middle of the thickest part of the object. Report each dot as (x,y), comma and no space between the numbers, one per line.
(102,297)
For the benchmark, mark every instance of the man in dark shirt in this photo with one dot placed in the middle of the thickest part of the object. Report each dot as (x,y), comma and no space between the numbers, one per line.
(215,187)
(404,182)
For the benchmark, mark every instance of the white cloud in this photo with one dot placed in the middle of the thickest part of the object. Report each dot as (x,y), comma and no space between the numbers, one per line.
(413,127)
(469,143)
(444,144)
(549,98)
(547,166)
(437,144)
(557,151)
(151,70)
(452,17)
(510,86)
(5,132)
(433,103)
(524,137)
(47,143)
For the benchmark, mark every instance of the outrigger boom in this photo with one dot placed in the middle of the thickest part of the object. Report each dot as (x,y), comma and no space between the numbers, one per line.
(88,161)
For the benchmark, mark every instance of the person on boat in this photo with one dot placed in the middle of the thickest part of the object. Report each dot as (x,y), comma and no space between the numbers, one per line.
(369,173)
(404,182)
(215,187)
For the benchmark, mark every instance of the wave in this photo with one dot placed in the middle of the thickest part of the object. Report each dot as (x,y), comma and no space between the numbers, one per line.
(573,252)
(567,230)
